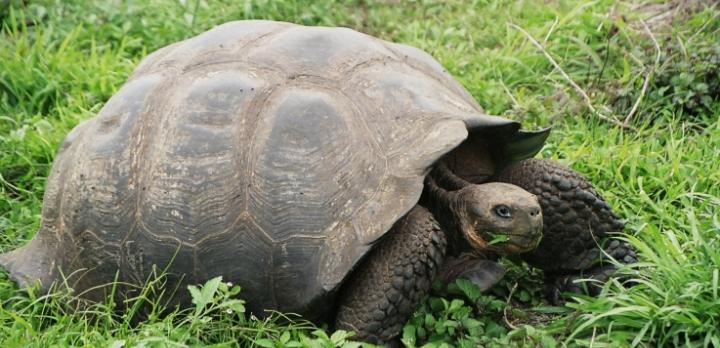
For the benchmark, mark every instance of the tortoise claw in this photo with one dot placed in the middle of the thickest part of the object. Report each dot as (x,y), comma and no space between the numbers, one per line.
(557,286)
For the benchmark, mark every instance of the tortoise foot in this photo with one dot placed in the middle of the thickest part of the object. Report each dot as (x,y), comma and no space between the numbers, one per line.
(482,272)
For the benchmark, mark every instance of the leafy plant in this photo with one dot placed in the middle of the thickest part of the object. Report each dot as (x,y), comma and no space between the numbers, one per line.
(61,60)
(687,75)
(692,83)
(464,317)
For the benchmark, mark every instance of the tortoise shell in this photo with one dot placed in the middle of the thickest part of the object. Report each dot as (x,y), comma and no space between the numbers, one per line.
(269,153)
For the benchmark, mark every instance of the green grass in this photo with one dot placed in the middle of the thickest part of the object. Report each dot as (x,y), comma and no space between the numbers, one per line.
(61,60)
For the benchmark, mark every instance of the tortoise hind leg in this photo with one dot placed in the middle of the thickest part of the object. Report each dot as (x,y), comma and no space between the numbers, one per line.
(576,222)
(386,288)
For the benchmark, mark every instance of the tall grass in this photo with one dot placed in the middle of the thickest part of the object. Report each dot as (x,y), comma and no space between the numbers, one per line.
(61,60)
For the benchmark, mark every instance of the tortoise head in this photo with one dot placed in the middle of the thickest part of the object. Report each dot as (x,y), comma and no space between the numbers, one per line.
(499,217)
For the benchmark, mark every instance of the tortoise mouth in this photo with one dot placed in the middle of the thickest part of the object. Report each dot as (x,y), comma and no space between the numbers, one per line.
(511,242)
(525,242)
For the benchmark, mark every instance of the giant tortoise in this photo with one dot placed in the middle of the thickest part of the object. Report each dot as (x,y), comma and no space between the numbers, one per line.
(327,172)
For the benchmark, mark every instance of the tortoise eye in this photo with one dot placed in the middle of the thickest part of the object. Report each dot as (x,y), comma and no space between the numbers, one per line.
(503,211)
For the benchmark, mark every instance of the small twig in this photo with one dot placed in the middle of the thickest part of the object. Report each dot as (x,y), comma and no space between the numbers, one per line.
(567,77)
(649,75)
(507,304)
(507,90)
(682,48)
(552,27)
(610,35)
(703,27)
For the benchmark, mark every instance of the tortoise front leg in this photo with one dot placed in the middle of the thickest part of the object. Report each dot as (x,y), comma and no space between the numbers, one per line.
(576,222)
(386,288)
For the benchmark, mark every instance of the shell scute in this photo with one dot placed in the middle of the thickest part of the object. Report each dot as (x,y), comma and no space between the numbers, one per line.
(318,51)
(313,165)
(239,255)
(290,269)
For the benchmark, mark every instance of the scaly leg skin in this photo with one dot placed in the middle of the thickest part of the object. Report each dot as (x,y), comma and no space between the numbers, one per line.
(576,222)
(384,291)
(600,274)
(482,272)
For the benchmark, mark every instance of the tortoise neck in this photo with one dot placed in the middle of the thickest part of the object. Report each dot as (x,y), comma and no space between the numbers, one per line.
(446,179)
(445,207)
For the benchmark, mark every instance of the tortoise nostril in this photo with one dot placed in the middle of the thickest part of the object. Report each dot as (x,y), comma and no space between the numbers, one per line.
(535,212)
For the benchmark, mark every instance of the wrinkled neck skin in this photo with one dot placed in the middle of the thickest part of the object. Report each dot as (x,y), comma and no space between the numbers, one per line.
(442,199)
(445,179)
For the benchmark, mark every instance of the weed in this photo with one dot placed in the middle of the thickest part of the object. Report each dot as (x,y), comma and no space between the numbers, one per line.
(61,60)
